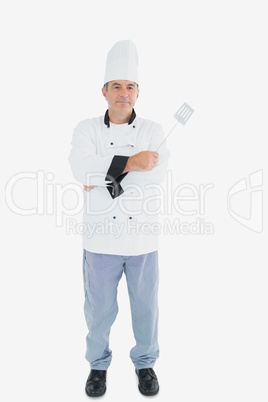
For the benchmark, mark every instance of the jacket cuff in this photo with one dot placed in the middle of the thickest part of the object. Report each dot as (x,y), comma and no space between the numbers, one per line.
(115,176)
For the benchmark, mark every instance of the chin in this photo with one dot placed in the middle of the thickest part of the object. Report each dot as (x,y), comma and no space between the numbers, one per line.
(125,107)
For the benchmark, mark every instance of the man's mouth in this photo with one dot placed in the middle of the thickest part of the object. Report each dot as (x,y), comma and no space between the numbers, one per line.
(122,101)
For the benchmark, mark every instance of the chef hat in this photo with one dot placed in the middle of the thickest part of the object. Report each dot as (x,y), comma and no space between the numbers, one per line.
(122,62)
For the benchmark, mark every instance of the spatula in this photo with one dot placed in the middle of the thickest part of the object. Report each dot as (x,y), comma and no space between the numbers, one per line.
(182,116)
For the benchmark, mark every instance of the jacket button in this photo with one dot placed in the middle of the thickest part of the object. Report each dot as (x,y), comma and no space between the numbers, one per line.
(112,143)
(130,217)
(134,126)
(114,217)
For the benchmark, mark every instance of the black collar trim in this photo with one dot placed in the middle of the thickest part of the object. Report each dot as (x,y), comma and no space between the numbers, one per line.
(107,120)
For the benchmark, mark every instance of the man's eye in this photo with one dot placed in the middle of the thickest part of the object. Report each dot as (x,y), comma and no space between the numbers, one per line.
(130,88)
(116,87)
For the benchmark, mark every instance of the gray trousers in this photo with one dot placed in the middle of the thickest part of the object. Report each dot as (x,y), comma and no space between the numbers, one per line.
(102,273)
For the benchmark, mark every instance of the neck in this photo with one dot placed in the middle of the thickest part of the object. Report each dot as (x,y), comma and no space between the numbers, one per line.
(118,118)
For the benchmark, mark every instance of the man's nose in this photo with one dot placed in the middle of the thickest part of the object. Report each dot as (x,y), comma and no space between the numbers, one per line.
(124,92)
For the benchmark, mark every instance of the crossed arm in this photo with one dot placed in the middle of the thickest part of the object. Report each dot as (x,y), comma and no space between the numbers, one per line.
(142,161)
(92,169)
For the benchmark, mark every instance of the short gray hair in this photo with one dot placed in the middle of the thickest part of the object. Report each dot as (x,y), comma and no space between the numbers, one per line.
(105,86)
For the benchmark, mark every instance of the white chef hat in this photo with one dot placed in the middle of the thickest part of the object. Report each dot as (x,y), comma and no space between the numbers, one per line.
(122,62)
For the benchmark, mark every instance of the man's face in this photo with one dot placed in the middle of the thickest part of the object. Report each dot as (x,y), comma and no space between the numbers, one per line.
(121,96)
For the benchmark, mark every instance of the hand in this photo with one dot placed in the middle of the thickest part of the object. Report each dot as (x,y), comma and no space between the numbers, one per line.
(145,160)
(88,188)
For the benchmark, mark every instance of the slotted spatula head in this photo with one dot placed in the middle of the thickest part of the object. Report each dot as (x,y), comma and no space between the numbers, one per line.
(184,113)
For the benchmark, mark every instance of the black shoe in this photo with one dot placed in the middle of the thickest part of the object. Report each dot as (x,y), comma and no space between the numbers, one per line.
(148,383)
(96,383)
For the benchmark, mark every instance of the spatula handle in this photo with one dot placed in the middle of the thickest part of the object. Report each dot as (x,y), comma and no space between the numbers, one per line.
(167,135)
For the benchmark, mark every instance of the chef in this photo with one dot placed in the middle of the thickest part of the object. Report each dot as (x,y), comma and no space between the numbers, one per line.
(114,156)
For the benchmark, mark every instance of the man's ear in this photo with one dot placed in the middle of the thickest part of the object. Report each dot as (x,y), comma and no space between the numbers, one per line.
(104,93)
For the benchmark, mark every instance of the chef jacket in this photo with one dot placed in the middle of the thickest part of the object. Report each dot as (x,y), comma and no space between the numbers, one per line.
(121,212)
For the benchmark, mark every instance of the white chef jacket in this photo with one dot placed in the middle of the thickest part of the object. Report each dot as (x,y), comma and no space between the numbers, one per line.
(121,211)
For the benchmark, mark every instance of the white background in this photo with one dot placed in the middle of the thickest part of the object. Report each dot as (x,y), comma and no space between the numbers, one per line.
(213,292)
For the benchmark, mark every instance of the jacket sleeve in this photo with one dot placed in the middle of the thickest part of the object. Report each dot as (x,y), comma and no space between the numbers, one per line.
(88,167)
(115,175)
(158,173)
